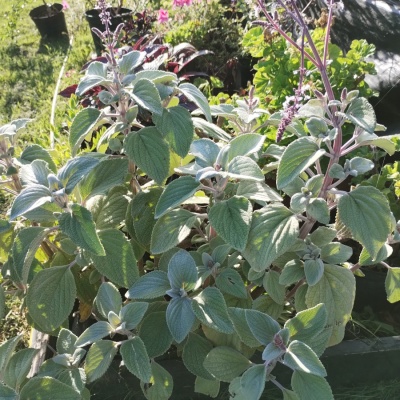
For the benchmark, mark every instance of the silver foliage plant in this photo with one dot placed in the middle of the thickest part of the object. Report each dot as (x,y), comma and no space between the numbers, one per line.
(172,239)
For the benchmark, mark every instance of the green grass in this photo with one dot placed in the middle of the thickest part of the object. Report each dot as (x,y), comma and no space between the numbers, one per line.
(30,66)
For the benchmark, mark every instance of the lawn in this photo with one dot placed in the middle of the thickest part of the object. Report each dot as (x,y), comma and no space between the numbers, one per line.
(30,67)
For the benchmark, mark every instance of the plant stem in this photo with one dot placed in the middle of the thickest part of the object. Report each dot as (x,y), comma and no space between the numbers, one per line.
(56,91)
(294,290)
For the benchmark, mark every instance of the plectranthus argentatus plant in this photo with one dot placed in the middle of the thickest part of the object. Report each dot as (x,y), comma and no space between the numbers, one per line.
(168,240)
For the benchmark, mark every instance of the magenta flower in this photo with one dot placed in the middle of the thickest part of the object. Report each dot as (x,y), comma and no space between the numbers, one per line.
(65,5)
(181,3)
(162,16)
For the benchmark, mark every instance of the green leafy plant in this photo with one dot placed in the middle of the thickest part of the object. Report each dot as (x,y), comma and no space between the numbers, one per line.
(278,65)
(210,25)
(170,238)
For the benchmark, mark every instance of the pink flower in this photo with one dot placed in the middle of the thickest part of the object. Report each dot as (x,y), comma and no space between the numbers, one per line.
(65,4)
(162,16)
(181,3)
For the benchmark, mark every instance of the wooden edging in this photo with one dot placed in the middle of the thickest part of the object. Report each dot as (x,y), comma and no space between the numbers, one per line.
(349,363)
(361,361)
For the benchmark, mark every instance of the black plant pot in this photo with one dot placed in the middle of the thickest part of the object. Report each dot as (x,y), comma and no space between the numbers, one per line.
(50,20)
(122,15)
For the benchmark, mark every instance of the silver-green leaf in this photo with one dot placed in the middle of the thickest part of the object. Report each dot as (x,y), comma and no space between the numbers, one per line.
(118,263)
(28,199)
(225,363)
(135,358)
(336,289)
(149,151)
(162,384)
(366,213)
(273,231)
(180,317)
(175,194)
(51,296)
(146,95)
(252,382)
(95,332)
(83,124)
(392,285)
(210,308)
(311,387)
(47,388)
(171,229)
(231,220)
(192,93)
(99,358)
(108,299)
(194,353)
(176,126)
(155,334)
(77,223)
(301,357)
(296,158)
(150,286)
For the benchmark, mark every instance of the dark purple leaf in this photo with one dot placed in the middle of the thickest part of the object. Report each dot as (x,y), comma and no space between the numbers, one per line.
(68,91)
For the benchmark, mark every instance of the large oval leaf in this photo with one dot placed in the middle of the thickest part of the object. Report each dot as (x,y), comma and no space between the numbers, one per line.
(95,332)
(296,158)
(392,285)
(311,387)
(51,296)
(194,94)
(83,123)
(162,384)
(79,226)
(47,388)
(99,358)
(246,144)
(366,213)
(108,299)
(274,229)
(149,286)
(300,357)
(155,334)
(225,363)
(171,229)
(336,289)
(180,318)
(119,263)
(75,170)
(135,358)
(194,353)
(105,175)
(210,308)
(175,194)
(18,368)
(362,114)
(30,198)
(176,125)
(148,150)
(24,249)
(231,219)
(252,382)
(142,209)
(146,95)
